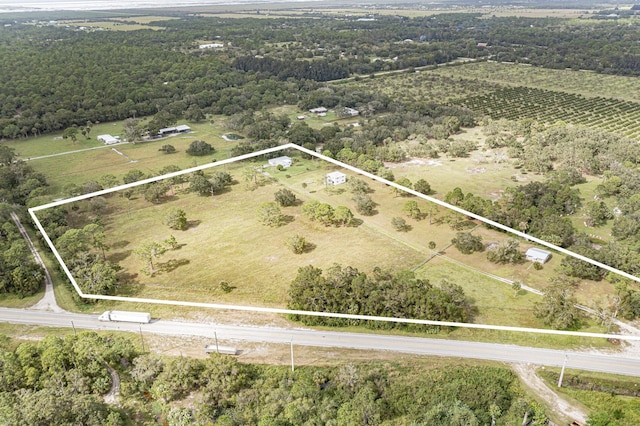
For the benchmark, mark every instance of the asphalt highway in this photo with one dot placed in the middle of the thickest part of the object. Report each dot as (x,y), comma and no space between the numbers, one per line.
(625,365)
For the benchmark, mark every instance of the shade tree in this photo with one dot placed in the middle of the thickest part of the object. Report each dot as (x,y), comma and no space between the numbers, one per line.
(269,214)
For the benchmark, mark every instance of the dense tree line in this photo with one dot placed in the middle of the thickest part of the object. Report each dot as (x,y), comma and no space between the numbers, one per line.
(299,70)
(64,381)
(117,75)
(19,183)
(347,290)
(19,272)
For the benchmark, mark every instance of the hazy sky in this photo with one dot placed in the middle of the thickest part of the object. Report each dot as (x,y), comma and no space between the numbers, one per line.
(43,5)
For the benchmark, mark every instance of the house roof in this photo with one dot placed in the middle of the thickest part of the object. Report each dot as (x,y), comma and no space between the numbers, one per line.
(538,253)
(334,175)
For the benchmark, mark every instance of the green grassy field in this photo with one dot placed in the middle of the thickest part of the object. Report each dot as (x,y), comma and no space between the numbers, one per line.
(229,243)
(77,164)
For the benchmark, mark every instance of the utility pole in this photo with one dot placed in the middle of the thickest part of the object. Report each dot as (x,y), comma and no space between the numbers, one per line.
(74,328)
(292,365)
(215,335)
(141,338)
(564,364)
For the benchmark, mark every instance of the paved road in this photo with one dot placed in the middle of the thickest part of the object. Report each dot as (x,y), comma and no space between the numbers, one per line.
(626,365)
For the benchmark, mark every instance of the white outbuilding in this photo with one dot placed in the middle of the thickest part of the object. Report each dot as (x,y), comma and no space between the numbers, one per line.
(537,255)
(283,161)
(335,178)
(108,139)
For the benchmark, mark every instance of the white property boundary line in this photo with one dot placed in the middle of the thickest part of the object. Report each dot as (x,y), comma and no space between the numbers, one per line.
(33,210)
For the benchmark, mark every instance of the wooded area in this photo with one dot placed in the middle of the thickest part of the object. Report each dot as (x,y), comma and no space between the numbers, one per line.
(64,381)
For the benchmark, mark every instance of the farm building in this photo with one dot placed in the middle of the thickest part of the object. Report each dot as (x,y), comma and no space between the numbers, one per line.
(183,128)
(280,161)
(108,139)
(351,111)
(537,255)
(318,110)
(336,178)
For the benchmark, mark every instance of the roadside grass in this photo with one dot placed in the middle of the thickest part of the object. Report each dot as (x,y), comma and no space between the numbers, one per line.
(13,301)
(586,83)
(626,408)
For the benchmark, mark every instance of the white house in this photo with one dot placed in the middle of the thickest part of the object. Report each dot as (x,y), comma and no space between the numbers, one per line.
(183,128)
(108,139)
(537,255)
(318,110)
(336,178)
(280,161)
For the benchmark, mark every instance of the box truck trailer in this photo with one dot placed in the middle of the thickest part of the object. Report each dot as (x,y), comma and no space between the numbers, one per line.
(125,316)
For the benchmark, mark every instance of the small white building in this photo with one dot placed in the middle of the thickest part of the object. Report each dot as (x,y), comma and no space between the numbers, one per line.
(183,128)
(211,46)
(318,110)
(351,111)
(108,139)
(283,161)
(537,255)
(335,178)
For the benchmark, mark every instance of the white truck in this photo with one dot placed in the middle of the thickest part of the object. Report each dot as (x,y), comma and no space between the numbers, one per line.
(126,316)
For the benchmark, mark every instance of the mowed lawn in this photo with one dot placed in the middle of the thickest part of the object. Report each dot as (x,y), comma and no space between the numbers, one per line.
(227,242)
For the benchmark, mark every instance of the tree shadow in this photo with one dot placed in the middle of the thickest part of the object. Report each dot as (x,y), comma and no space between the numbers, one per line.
(355,222)
(119,256)
(193,224)
(171,265)
(309,247)
(130,287)
(120,244)
(287,219)
(405,228)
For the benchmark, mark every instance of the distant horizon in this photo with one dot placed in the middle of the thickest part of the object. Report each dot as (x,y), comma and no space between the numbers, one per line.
(26,6)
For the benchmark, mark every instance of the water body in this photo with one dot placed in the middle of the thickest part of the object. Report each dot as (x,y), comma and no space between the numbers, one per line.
(54,5)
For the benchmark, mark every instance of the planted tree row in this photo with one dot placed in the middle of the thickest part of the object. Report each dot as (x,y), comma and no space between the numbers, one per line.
(546,106)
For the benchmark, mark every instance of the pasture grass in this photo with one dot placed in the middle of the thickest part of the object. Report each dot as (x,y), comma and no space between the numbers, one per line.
(78,166)
(227,242)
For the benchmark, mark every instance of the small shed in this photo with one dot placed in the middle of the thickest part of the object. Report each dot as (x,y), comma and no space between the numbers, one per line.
(537,255)
(283,161)
(108,139)
(336,178)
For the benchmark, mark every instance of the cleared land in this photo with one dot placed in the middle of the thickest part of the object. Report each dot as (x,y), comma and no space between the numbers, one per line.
(227,242)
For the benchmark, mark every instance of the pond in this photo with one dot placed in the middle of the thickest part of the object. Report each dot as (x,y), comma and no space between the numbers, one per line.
(232,137)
